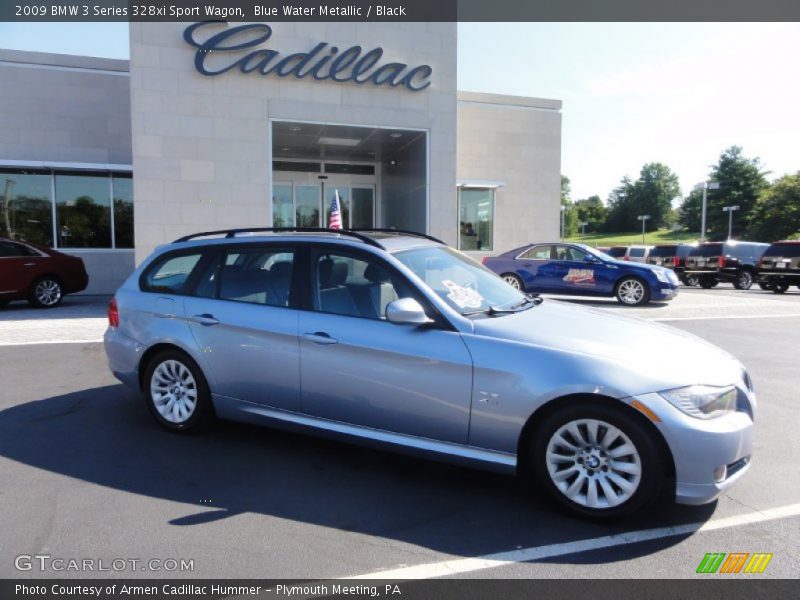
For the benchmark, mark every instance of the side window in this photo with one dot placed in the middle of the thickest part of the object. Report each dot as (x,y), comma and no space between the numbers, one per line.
(256,275)
(537,253)
(354,286)
(171,274)
(568,253)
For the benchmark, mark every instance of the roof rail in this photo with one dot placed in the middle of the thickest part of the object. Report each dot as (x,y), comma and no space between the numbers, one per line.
(230,233)
(399,232)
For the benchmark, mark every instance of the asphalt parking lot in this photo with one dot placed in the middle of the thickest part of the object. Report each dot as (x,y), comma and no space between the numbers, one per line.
(88,475)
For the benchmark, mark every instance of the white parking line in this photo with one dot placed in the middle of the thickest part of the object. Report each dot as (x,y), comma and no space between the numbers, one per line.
(722,318)
(490,561)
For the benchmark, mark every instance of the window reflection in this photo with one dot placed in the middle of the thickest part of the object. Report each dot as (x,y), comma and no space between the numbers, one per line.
(26,207)
(123,212)
(83,211)
(476,214)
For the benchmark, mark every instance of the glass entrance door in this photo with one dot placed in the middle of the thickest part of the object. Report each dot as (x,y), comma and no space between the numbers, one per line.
(302,203)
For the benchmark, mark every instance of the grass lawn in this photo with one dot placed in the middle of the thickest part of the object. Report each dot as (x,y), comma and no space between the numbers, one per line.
(662,236)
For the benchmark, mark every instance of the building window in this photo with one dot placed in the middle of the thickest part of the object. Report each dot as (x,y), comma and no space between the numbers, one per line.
(26,207)
(123,211)
(476,216)
(82,207)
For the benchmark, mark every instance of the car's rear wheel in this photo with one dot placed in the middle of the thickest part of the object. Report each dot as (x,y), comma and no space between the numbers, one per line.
(779,288)
(765,286)
(597,460)
(513,280)
(691,280)
(744,280)
(708,282)
(176,391)
(46,293)
(632,291)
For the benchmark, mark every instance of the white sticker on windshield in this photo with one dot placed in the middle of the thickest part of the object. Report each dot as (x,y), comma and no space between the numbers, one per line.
(464,297)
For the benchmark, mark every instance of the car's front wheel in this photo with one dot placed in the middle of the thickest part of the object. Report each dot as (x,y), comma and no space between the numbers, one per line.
(691,280)
(46,293)
(513,280)
(597,460)
(708,282)
(176,392)
(744,280)
(632,291)
(780,288)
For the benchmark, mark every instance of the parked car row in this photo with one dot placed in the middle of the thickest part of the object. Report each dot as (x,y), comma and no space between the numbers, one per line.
(772,266)
(38,274)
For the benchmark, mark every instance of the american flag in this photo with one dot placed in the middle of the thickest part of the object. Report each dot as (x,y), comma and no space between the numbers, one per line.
(335,221)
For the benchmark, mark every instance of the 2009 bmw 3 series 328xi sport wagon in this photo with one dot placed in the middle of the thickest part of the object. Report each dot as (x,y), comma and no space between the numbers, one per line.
(394,339)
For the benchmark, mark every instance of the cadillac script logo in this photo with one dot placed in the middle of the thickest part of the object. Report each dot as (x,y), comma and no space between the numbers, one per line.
(224,50)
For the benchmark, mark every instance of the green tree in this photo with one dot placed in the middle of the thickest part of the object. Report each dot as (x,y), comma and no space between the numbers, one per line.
(569,216)
(591,210)
(689,211)
(776,214)
(651,194)
(741,182)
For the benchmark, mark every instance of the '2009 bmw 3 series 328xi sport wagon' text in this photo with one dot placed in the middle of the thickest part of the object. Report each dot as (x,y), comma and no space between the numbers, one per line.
(394,339)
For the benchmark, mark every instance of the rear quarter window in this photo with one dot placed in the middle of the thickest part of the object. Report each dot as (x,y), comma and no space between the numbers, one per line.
(170,274)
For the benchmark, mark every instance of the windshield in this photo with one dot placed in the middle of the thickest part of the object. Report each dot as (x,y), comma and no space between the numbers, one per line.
(598,253)
(662,251)
(706,250)
(464,284)
(784,250)
(617,251)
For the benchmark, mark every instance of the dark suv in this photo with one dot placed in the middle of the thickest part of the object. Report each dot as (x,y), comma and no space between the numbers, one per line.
(673,256)
(780,266)
(732,261)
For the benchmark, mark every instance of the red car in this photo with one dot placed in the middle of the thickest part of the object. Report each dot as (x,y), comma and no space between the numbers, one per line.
(38,274)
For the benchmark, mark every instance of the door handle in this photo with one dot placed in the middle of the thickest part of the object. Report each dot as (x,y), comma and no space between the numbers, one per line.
(204,319)
(30,264)
(319,337)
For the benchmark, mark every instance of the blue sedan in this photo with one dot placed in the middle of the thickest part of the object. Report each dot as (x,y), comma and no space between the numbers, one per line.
(577,269)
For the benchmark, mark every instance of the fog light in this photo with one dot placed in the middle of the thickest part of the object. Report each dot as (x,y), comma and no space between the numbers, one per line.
(720,473)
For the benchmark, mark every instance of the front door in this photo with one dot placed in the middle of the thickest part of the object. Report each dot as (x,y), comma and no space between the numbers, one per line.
(305,200)
(359,368)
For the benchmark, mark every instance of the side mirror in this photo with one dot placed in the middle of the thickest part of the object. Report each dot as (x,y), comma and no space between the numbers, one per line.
(407,311)
(589,258)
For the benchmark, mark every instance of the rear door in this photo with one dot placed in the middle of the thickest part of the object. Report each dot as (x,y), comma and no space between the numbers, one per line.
(19,266)
(358,368)
(242,319)
(529,264)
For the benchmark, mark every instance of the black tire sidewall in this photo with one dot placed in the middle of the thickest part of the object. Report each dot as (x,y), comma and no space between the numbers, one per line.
(653,472)
(204,409)
(645,297)
(708,282)
(741,286)
(779,288)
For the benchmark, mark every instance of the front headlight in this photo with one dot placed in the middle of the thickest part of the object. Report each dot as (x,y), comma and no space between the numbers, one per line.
(703,401)
(663,275)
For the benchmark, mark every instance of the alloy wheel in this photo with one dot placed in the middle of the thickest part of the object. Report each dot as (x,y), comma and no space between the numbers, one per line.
(174,391)
(513,281)
(631,291)
(47,292)
(593,463)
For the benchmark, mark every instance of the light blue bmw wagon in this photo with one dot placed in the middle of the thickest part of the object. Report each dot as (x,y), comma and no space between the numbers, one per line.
(393,339)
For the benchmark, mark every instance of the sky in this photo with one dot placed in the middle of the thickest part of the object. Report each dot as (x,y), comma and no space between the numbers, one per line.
(633,93)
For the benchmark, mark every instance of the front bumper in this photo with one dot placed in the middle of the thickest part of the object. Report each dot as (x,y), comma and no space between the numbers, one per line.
(702,448)
(663,292)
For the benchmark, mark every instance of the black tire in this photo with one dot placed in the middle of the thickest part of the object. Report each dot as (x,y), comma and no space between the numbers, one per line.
(779,288)
(46,292)
(632,291)
(651,462)
(744,280)
(765,286)
(708,282)
(203,411)
(690,280)
(514,281)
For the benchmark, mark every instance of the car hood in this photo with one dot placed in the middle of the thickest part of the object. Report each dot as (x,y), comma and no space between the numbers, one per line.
(659,356)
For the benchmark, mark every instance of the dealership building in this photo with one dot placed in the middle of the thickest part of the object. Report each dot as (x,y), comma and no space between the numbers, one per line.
(212,126)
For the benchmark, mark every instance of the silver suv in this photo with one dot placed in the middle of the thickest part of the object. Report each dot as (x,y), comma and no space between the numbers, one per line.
(393,338)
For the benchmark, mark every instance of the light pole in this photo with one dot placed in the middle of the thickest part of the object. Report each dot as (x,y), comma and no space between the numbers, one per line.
(729,210)
(643,219)
(705,186)
(563,209)
(583,225)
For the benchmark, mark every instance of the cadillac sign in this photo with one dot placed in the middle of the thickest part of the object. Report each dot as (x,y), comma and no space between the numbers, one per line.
(221,51)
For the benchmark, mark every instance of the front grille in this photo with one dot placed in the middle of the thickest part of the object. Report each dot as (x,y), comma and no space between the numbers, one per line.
(737,466)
